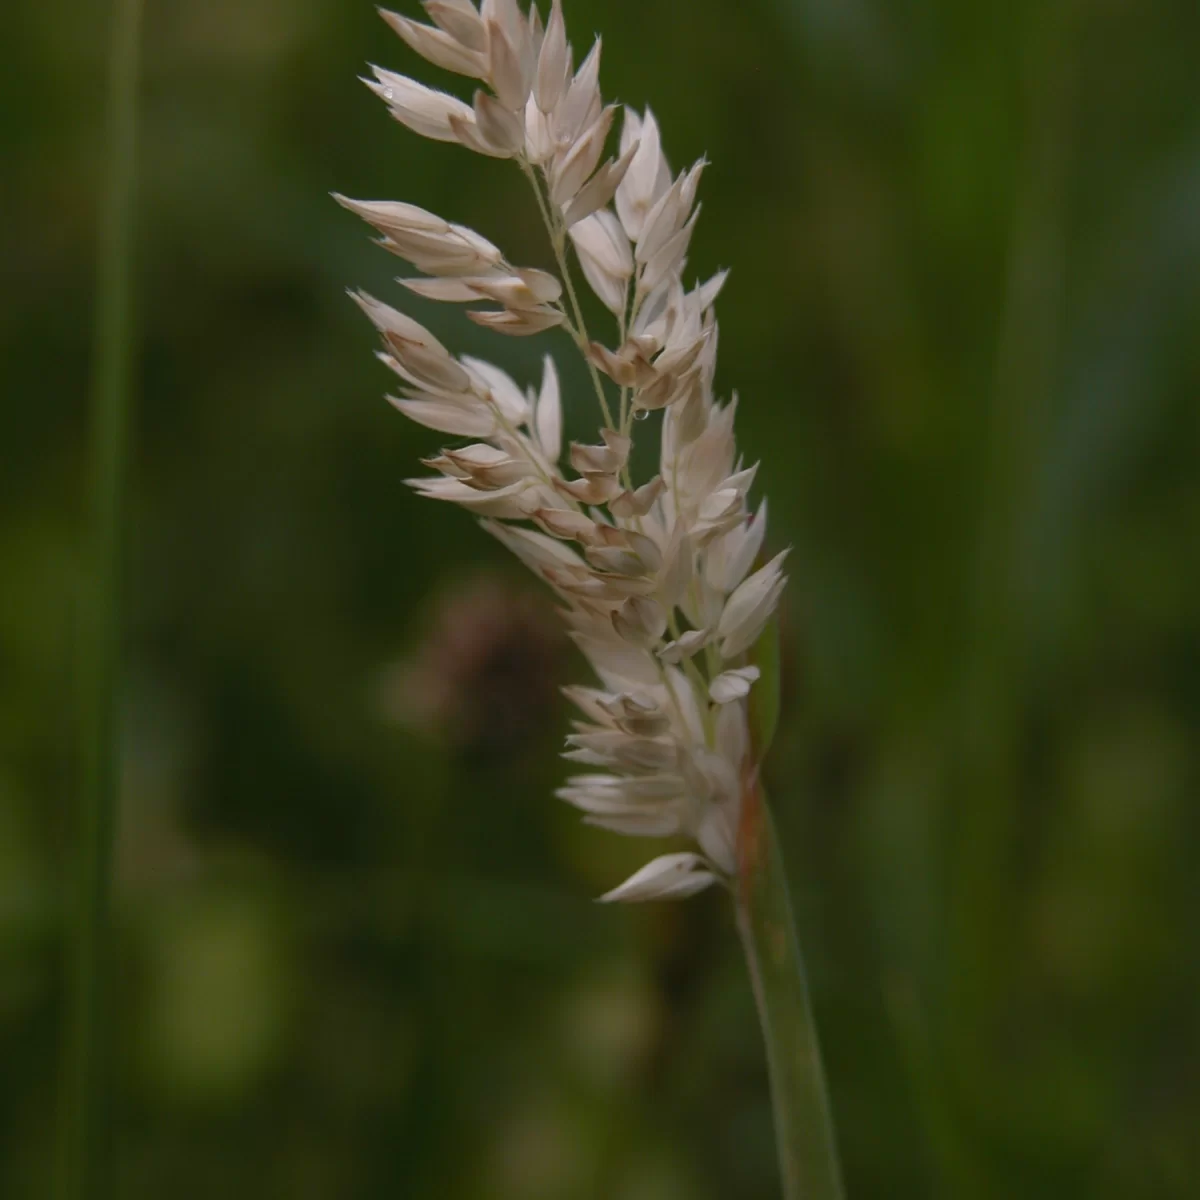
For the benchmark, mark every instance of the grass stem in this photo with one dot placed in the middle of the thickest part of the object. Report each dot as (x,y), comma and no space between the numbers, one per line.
(804,1133)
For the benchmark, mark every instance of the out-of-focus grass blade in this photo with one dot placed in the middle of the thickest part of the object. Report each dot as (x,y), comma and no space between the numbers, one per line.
(765,694)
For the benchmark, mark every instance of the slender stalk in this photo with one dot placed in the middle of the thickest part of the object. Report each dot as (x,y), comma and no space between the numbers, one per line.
(88,1090)
(558,242)
(804,1134)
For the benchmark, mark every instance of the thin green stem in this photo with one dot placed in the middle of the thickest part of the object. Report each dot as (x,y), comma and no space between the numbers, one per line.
(88,1089)
(804,1134)
(558,242)
(624,414)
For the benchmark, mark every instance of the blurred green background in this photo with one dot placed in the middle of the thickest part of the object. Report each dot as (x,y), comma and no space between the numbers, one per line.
(358,955)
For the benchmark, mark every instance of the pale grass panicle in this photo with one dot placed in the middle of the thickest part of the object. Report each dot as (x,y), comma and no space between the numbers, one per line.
(656,577)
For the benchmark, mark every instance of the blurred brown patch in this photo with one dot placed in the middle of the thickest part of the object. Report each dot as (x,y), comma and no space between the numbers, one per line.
(483,675)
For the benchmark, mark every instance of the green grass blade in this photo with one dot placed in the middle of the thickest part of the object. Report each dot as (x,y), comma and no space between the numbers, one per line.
(88,1091)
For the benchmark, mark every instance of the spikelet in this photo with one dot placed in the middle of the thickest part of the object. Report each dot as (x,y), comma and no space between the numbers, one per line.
(656,577)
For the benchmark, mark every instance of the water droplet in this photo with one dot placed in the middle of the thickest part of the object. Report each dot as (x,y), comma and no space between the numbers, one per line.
(641,414)
(388,94)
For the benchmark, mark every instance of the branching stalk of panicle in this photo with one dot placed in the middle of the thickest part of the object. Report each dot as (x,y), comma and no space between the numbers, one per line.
(657,578)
